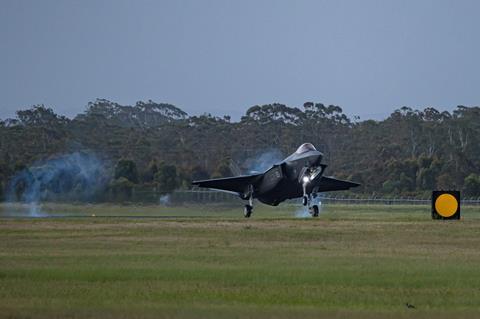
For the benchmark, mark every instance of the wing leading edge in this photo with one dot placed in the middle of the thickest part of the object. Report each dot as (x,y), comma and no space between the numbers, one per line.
(237,184)
(326,184)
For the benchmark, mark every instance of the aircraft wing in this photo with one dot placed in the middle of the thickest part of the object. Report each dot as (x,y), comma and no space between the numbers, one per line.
(238,184)
(326,184)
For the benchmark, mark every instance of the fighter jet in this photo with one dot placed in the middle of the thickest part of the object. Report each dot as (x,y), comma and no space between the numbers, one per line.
(300,175)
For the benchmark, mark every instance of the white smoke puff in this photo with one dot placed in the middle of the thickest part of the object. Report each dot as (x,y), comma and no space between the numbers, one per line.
(71,176)
(264,161)
(35,210)
(304,212)
(164,200)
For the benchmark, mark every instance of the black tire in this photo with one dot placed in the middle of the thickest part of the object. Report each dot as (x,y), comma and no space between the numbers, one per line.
(247,211)
(305,200)
(315,210)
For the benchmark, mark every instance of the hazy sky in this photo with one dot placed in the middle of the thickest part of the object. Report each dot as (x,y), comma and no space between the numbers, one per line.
(222,57)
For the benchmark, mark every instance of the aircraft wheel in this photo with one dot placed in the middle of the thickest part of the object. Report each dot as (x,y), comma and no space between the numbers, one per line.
(315,210)
(305,201)
(247,212)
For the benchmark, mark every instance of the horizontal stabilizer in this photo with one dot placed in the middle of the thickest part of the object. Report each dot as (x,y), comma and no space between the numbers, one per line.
(237,184)
(326,184)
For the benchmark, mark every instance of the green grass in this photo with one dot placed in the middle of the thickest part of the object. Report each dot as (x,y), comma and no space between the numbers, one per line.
(234,210)
(351,262)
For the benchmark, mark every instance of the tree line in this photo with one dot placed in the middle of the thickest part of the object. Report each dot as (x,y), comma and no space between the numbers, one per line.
(158,147)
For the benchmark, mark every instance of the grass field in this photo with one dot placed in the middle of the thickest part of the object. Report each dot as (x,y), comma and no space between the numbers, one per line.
(206,262)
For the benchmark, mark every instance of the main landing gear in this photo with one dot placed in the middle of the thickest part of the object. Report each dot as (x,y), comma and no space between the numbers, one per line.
(248,210)
(312,209)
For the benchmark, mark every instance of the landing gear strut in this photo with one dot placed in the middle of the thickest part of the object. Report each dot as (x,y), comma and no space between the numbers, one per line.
(248,210)
(306,198)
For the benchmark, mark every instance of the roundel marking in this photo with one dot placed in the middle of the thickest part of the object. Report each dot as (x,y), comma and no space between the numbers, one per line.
(446,205)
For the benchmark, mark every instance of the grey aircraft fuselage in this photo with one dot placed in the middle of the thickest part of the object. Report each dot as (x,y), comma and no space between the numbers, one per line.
(285,180)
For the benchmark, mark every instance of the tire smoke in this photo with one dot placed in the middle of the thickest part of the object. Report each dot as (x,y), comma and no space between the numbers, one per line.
(76,176)
(303,211)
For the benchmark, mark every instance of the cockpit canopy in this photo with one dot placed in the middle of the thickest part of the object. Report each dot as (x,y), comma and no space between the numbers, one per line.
(305,147)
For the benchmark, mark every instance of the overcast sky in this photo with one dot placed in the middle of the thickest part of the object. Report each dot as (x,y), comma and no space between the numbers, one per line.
(222,57)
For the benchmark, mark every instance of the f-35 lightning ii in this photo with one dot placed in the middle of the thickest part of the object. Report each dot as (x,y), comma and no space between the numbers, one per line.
(298,175)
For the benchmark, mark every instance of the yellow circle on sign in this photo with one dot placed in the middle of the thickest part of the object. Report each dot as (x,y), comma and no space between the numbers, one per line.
(446,205)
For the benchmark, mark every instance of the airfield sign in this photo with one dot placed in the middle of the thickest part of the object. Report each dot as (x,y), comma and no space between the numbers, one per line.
(445,205)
